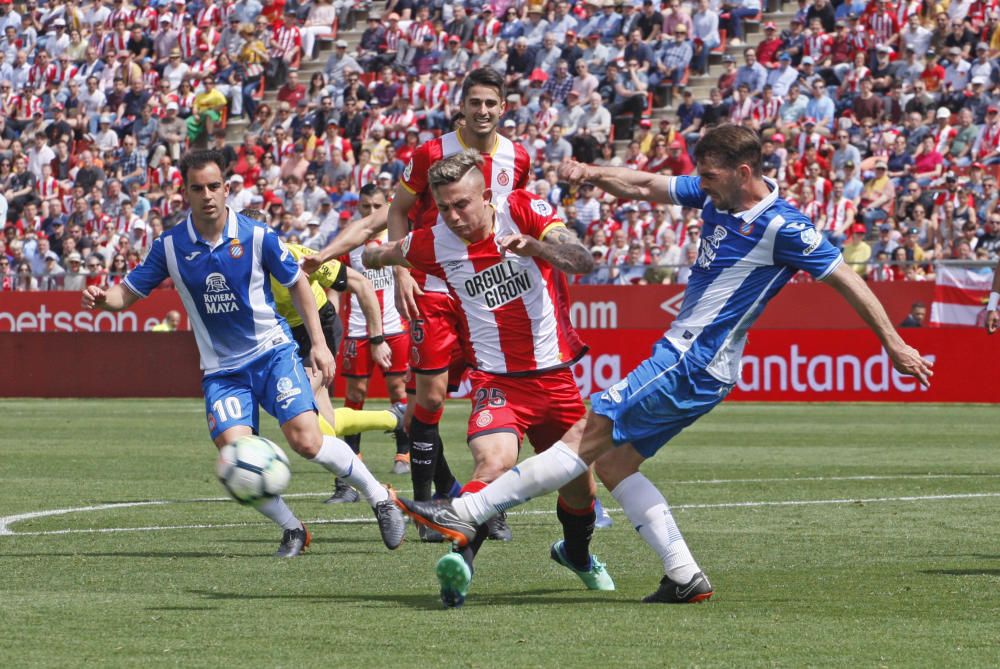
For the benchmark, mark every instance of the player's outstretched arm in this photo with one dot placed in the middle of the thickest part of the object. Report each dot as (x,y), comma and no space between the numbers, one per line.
(384,255)
(368,300)
(619,181)
(352,236)
(399,226)
(305,303)
(905,358)
(992,315)
(560,248)
(115,298)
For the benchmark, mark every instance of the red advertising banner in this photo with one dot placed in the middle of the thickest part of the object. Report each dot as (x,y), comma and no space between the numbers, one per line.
(592,307)
(61,312)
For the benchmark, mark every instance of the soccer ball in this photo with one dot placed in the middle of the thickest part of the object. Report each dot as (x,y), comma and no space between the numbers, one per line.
(253,468)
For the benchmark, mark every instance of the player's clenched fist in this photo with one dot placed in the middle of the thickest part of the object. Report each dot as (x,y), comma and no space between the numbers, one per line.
(92,296)
(522,245)
(573,171)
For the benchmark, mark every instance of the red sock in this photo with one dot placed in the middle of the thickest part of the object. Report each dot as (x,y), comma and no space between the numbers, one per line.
(472,486)
(562,504)
(427,416)
(350,404)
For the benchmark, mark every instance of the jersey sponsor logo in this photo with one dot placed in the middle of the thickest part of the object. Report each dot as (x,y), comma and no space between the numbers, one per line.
(235,249)
(408,170)
(498,285)
(218,298)
(710,246)
(812,239)
(503,178)
(286,391)
(380,279)
(541,207)
(191,256)
(484,418)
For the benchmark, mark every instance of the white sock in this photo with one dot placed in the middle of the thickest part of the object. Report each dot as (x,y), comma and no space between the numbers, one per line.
(276,509)
(534,477)
(650,515)
(337,456)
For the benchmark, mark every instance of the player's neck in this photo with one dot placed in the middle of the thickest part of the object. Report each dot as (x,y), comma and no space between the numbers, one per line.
(482,144)
(757,191)
(211,229)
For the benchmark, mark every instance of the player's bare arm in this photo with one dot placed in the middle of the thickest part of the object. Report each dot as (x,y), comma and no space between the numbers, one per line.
(992,314)
(560,248)
(905,358)
(619,181)
(115,298)
(305,303)
(377,257)
(352,236)
(368,301)
(399,226)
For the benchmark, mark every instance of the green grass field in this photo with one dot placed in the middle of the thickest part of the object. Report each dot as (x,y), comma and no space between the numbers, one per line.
(848,536)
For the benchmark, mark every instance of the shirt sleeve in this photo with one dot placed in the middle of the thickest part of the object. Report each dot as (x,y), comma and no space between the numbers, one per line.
(799,245)
(414,177)
(532,214)
(686,191)
(278,261)
(418,249)
(150,273)
(332,274)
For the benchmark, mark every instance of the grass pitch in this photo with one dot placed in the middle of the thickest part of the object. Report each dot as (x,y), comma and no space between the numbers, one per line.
(848,536)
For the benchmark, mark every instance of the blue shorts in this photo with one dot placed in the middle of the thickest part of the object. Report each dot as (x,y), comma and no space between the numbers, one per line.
(275,381)
(658,399)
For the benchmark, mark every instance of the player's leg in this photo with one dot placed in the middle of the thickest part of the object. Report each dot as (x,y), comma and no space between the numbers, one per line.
(356,390)
(425,437)
(232,413)
(294,408)
(647,510)
(396,386)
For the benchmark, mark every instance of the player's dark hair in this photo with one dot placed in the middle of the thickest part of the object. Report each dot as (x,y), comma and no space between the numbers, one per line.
(730,146)
(369,189)
(484,76)
(198,159)
(453,168)
(255,214)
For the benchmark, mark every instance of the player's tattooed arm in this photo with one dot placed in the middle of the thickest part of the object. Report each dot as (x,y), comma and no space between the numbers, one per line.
(376,257)
(560,248)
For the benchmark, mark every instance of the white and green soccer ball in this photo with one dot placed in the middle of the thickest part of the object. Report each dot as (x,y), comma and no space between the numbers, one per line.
(253,468)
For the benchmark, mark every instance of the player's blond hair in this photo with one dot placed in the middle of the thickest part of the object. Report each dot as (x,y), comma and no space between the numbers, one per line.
(453,168)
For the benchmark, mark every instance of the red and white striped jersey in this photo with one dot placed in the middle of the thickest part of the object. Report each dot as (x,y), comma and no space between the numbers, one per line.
(436,94)
(398,117)
(814,210)
(188,43)
(384,282)
(48,188)
(204,67)
(883,27)
(392,39)
(23,106)
(39,77)
(839,214)
(118,41)
(416,93)
(163,175)
(415,33)
(905,8)
(515,308)
(126,15)
(150,81)
(766,111)
(488,29)
(814,139)
(126,224)
(818,45)
(506,168)
(989,140)
(943,137)
(209,16)
(285,39)
(146,16)
(362,175)
(822,188)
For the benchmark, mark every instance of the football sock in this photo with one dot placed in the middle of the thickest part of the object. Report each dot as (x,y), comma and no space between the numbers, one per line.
(353,421)
(336,456)
(578,528)
(650,515)
(276,509)
(402,443)
(424,438)
(444,481)
(536,476)
(354,441)
(471,549)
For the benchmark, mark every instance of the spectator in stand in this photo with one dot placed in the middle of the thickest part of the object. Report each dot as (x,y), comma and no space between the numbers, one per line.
(739,10)
(916,317)
(672,61)
(705,33)
(752,73)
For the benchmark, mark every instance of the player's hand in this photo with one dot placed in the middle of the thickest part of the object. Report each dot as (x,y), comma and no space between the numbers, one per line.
(992,321)
(94,296)
(520,244)
(407,291)
(907,361)
(324,362)
(312,263)
(382,355)
(573,172)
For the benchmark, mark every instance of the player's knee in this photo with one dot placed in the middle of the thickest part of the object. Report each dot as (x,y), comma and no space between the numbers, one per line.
(612,470)
(356,395)
(432,403)
(305,442)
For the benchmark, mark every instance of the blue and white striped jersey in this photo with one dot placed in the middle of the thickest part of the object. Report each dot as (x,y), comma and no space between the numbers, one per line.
(743,261)
(225,287)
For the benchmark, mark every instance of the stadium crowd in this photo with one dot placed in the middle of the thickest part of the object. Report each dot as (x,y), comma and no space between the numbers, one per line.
(880,120)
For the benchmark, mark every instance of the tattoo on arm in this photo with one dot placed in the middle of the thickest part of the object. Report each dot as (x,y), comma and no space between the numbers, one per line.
(563,250)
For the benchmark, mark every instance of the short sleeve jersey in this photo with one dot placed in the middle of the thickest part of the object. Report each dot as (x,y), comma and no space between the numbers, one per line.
(515,309)
(330,274)
(744,259)
(505,168)
(225,287)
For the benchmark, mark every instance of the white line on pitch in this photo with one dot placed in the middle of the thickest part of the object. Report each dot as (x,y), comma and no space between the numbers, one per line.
(6,521)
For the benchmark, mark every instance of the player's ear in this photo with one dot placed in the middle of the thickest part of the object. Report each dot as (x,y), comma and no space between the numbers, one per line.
(488,195)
